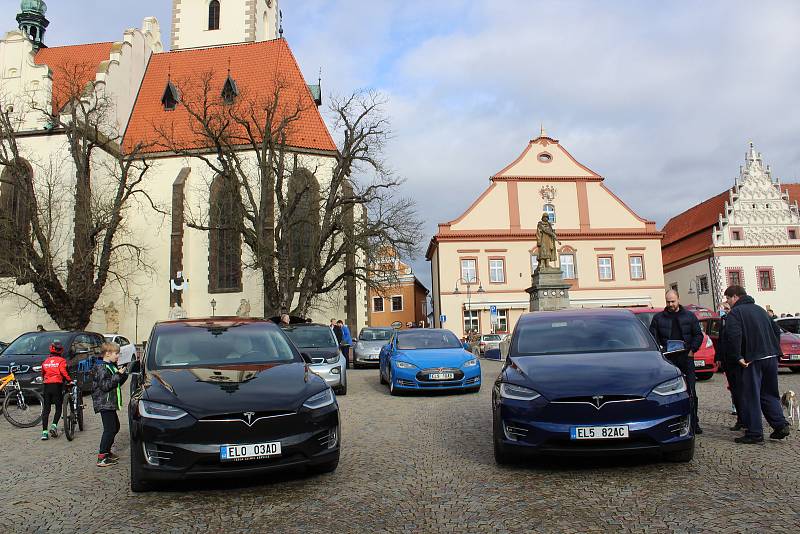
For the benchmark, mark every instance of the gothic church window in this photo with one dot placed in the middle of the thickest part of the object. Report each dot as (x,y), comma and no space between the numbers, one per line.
(14,215)
(225,243)
(213,15)
(304,207)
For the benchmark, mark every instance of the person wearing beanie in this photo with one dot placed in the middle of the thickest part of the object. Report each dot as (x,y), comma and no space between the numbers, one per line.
(54,375)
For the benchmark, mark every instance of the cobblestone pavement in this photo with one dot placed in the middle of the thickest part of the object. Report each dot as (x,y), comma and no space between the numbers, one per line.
(418,464)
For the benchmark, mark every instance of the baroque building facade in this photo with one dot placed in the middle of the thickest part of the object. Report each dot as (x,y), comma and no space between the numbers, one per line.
(205,272)
(482,262)
(748,235)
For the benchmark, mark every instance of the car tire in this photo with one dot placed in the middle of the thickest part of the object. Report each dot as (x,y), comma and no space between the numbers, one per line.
(392,390)
(683,456)
(383,380)
(341,390)
(502,456)
(327,467)
(138,484)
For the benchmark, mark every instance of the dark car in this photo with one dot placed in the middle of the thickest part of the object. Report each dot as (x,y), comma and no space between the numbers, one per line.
(790,344)
(3,346)
(790,324)
(589,382)
(24,356)
(227,397)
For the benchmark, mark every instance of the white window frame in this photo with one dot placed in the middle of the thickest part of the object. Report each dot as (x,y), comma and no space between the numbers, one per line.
(465,270)
(601,268)
(502,320)
(472,317)
(633,267)
(383,304)
(494,270)
(550,210)
(402,304)
(571,263)
(534,262)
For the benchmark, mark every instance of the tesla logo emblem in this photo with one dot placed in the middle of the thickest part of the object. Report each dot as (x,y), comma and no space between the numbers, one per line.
(598,400)
(249,416)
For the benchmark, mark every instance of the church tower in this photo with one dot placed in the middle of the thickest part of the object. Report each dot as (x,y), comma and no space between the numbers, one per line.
(32,21)
(207,23)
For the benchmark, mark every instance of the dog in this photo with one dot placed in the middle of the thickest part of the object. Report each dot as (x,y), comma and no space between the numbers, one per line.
(789,401)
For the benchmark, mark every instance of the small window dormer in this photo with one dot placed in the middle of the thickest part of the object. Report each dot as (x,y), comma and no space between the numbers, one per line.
(229,91)
(213,15)
(171,97)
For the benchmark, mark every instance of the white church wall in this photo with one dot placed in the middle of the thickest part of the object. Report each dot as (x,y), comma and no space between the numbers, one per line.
(239,21)
(23,82)
(785,265)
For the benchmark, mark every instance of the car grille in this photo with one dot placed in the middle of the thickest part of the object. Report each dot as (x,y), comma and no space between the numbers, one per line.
(423,376)
(240,417)
(597,402)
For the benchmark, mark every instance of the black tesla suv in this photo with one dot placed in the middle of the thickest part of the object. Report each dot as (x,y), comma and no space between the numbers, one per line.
(227,397)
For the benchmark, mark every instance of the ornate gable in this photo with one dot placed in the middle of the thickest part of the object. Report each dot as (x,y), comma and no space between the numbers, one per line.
(758,212)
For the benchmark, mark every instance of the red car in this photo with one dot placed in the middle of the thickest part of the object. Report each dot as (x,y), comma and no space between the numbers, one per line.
(790,344)
(704,364)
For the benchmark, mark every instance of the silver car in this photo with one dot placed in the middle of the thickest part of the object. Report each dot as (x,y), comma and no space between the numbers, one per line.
(488,342)
(319,343)
(367,347)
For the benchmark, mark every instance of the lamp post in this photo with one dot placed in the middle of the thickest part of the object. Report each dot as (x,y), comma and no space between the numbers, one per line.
(695,288)
(136,301)
(213,307)
(469,283)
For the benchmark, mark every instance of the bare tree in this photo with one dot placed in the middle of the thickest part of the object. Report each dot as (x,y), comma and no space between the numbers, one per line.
(308,229)
(40,264)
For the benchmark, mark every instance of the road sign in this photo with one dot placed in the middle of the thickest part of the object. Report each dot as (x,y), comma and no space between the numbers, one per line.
(442,318)
(493,315)
(493,310)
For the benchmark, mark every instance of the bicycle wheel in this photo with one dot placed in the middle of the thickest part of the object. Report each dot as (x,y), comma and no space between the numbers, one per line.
(69,417)
(80,413)
(23,408)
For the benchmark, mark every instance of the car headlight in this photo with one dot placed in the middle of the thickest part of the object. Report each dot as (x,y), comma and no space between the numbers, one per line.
(512,391)
(156,410)
(319,400)
(332,359)
(405,365)
(37,368)
(470,363)
(671,387)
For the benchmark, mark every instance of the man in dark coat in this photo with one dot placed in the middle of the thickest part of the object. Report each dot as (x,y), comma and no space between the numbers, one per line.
(677,326)
(732,369)
(752,339)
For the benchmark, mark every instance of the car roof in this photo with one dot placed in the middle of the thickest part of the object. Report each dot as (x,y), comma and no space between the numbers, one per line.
(644,310)
(572,313)
(306,325)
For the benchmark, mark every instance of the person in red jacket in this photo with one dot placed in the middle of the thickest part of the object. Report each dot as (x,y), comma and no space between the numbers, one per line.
(54,374)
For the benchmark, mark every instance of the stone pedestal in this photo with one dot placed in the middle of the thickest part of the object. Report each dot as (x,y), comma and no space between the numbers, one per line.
(548,290)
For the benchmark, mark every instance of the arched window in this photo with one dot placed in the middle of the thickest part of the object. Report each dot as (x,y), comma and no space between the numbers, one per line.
(304,207)
(213,15)
(15,215)
(550,210)
(225,242)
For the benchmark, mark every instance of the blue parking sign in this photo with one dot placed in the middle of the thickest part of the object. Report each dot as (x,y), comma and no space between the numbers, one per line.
(493,310)
(442,318)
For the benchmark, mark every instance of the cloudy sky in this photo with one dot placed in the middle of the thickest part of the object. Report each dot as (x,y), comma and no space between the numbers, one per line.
(661,98)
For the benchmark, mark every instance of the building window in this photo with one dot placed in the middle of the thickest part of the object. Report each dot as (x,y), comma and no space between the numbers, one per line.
(792,233)
(567,262)
(225,243)
(397,303)
(471,322)
(377,304)
(497,271)
(703,283)
(766,279)
(469,271)
(303,220)
(15,216)
(171,97)
(605,267)
(213,15)
(637,267)
(502,320)
(550,211)
(735,277)
(534,262)
(736,235)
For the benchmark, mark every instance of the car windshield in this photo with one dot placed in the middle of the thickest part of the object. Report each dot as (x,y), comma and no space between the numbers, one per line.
(646,318)
(427,339)
(312,337)
(790,325)
(201,345)
(571,335)
(491,337)
(375,334)
(35,343)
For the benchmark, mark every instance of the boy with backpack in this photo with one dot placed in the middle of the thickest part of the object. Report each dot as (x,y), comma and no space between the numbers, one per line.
(107,380)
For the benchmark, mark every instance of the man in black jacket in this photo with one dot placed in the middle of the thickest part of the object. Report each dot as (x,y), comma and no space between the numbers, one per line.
(677,324)
(732,369)
(752,339)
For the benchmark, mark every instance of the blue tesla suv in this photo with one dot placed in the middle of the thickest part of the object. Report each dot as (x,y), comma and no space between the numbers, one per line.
(589,382)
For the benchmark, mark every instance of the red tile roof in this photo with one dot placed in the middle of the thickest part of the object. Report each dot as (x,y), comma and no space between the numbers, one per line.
(255,67)
(690,232)
(72,67)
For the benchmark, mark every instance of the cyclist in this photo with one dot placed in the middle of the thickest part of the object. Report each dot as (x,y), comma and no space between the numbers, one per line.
(54,374)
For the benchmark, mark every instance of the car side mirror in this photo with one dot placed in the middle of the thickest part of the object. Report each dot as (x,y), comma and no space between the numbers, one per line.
(135,367)
(306,357)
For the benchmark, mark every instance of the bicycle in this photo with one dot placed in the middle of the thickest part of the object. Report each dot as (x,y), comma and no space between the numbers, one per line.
(18,403)
(72,410)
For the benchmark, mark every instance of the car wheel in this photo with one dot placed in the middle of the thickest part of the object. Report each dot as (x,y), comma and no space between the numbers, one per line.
(392,390)
(502,456)
(380,375)
(680,456)
(341,390)
(138,484)
(327,467)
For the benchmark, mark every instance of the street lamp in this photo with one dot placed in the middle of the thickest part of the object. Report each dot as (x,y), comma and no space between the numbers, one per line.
(696,288)
(213,307)
(469,282)
(136,301)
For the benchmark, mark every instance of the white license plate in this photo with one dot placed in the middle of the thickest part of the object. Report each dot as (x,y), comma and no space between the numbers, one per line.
(441,376)
(374,357)
(794,357)
(699,363)
(230,453)
(599,432)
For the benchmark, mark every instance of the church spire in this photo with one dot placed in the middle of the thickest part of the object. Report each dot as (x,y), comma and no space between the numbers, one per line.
(32,21)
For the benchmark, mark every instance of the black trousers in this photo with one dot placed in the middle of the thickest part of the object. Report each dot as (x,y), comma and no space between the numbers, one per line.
(110,430)
(733,373)
(691,381)
(760,394)
(52,394)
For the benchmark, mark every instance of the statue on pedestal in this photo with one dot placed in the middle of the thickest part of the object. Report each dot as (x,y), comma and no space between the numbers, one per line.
(112,318)
(244,308)
(546,239)
(548,289)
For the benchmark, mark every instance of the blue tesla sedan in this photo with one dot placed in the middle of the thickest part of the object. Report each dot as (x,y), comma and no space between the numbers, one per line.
(428,359)
(589,382)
